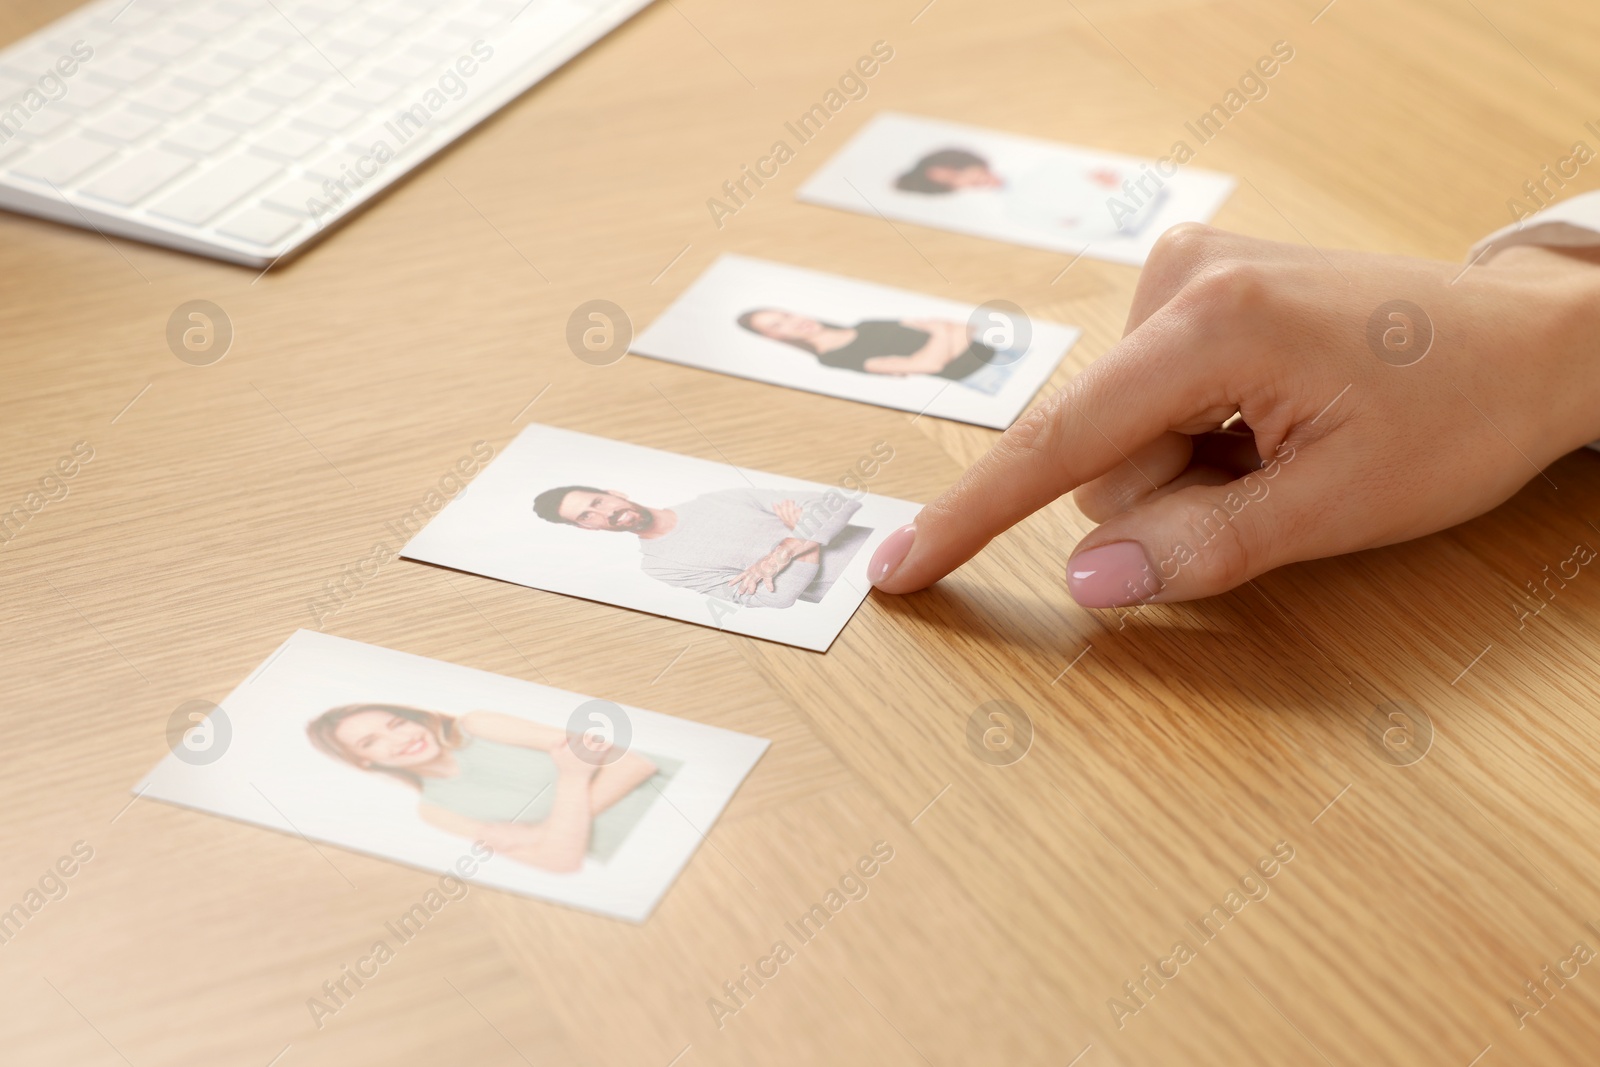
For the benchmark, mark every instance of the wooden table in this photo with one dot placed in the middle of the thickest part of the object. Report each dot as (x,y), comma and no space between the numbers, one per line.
(1170,754)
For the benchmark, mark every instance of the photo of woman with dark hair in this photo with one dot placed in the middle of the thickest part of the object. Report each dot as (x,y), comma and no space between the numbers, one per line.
(940,348)
(857,340)
(947,170)
(1060,195)
(533,793)
(1066,198)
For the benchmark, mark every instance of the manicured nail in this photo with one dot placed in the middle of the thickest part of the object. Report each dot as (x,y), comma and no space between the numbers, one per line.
(891,553)
(1111,575)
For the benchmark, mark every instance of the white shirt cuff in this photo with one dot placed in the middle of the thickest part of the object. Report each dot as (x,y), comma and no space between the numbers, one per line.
(1573,223)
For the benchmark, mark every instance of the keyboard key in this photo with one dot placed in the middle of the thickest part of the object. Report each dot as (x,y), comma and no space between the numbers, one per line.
(253,50)
(447,42)
(201,138)
(330,116)
(244,111)
(306,17)
(167,98)
(83,95)
(27,62)
(367,93)
(64,160)
(357,40)
(287,144)
(122,125)
(399,14)
(136,177)
(298,196)
(202,199)
(479,21)
(407,67)
(317,70)
(133,17)
(260,227)
(165,43)
(122,68)
(384,27)
(58,42)
(211,20)
(44,122)
(349,169)
(211,73)
(363,140)
(286,86)
(13,85)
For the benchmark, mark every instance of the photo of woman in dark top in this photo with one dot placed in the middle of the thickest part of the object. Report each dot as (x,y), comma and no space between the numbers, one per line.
(939,348)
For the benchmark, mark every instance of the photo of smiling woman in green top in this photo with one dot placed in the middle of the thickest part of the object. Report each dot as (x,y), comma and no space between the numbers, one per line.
(521,787)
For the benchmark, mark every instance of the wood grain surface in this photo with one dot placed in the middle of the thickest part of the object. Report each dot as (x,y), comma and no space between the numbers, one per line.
(1172,750)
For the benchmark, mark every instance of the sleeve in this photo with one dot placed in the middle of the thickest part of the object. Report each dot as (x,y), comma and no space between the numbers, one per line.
(787,587)
(1573,223)
(823,516)
(713,584)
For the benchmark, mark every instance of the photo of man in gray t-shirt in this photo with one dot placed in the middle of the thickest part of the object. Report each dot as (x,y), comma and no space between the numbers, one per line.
(756,548)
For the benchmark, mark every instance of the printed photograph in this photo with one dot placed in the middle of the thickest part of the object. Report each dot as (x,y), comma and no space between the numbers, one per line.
(692,539)
(856,340)
(1024,190)
(548,793)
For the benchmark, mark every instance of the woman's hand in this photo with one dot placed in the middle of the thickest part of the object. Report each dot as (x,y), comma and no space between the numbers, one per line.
(1382,398)
(623,773)
(946,341)
(510,838)
(575,765)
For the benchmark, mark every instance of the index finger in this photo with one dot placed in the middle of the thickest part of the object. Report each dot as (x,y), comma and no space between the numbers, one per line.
(1152,381)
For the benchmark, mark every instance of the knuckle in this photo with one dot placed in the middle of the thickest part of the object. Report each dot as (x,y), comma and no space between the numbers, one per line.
(1090,499)
(1234,562)
(1186,242)
(1227,290)
(1226,543)
(1034,435)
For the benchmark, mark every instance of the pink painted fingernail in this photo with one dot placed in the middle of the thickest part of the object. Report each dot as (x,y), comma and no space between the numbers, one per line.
(1111,575)
(891,553)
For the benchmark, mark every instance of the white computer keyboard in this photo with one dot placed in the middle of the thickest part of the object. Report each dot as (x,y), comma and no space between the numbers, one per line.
(243,129)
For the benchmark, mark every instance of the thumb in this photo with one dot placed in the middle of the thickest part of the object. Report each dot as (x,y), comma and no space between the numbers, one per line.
(1199,541)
